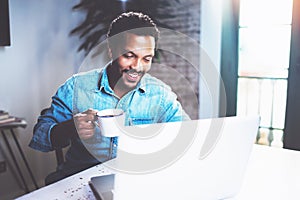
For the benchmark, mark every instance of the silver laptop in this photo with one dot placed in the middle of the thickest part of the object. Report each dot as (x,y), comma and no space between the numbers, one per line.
(199,159)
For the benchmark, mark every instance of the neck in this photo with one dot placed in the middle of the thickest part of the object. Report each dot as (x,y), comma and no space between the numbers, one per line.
(120,92)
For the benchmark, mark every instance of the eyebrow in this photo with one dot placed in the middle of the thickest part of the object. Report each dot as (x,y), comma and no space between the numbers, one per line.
(129,51)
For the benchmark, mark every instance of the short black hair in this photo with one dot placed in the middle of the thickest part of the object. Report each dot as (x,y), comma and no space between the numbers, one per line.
(133,22)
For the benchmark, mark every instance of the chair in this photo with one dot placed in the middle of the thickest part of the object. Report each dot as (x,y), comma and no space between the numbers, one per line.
(59,156)
(55,176)
(58,173)
(63,169)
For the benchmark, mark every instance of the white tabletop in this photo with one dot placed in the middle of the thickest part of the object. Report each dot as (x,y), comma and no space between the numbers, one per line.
(272,173)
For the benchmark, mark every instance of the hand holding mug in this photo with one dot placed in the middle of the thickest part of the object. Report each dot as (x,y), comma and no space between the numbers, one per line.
(84,123)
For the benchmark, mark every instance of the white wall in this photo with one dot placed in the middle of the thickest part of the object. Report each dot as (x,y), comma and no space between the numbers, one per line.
(210,41)
(40,58)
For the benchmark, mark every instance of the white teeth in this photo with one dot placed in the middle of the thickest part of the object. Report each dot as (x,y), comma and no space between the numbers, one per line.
(133,75)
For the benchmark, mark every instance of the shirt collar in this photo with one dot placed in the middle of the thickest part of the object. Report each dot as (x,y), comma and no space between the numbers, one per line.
(104,83)
(142,84)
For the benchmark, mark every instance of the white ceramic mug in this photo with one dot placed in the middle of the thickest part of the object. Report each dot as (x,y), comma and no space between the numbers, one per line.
(110,122)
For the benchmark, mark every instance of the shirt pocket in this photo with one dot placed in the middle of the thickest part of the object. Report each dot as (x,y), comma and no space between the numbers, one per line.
(141,120)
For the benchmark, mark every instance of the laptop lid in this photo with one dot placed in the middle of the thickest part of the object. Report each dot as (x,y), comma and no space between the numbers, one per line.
(211,165)
(103,186)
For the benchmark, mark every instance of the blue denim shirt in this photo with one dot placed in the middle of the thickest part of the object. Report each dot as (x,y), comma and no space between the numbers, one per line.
(151,101)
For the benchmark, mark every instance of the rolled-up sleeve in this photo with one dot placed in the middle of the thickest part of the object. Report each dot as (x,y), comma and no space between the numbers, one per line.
(59,111)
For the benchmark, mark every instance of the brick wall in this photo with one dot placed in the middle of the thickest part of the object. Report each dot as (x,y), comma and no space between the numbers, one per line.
(178,60)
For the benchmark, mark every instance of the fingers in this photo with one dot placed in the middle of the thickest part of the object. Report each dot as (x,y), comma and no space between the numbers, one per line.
(91,111)
(82,117)
(84,123)
(85,133)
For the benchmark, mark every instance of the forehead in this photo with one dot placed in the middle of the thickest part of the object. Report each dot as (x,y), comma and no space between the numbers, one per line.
(135,42)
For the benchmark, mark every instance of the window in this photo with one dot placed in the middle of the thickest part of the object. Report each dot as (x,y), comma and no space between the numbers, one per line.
(263,62)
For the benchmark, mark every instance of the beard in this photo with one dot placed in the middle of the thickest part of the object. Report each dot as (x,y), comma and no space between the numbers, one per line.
(130,78)
(125,79)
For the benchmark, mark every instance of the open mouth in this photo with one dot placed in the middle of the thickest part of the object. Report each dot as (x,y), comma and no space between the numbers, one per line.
(133,75)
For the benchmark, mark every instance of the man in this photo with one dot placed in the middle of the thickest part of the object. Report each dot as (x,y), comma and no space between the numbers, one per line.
(123,83)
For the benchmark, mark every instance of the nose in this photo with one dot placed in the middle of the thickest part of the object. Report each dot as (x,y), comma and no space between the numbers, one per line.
(137,65)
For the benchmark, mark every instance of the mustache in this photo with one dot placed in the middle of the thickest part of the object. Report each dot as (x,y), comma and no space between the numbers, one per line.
(131,71)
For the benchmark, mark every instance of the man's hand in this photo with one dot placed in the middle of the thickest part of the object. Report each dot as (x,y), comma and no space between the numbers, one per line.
(84,123)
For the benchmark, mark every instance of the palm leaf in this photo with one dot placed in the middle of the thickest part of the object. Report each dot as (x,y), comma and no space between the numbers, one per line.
(99,14)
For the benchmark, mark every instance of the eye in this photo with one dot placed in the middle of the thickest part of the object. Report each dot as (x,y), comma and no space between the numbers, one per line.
(148,59)
(128,55)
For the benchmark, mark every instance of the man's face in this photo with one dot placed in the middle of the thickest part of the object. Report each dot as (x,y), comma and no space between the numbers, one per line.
(134,58)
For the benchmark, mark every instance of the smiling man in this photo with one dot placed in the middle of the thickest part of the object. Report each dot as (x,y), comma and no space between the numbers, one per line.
(123,83)
(131,63)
